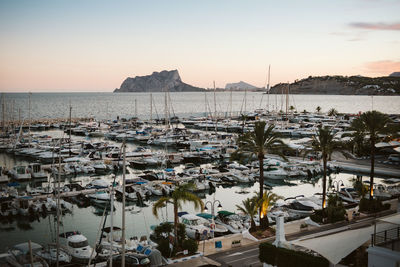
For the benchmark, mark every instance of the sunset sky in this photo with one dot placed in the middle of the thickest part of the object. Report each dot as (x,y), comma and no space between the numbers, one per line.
(93,45)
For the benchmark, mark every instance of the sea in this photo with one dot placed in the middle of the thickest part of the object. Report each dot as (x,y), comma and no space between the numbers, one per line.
(102,106)
(110,105)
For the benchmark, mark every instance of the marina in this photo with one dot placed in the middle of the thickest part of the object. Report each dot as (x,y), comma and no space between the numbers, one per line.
(86,158)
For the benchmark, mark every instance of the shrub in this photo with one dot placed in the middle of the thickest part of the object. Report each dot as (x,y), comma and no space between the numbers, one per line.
(191,245)
(372,206)
(282,257)
(163,247)
(335,211)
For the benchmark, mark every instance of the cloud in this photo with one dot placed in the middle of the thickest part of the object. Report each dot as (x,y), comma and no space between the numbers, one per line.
(376,26)
(384,67)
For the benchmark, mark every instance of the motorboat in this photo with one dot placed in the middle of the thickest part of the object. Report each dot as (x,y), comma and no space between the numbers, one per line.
(3,176)
(195,224)
(19,255)
(77,246)
(20,173)
(303,206)
(216,228)
(100,197)
(36,171)
(275,173)
(49,253)
(98,184)
(231,221)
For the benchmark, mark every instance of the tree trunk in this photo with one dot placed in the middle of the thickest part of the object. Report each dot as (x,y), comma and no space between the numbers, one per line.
(252,225)
(261,180)
(176,221)
(324,156)
(371,181)
(263,221)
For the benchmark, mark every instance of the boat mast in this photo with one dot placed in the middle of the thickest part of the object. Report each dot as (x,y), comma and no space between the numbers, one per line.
(215,109)
(112,220)
(230,106)
(269,72)
(166,109)
(135,108)
(123,202)
(70,118)
(58,206)
(287,99)
(29,126)
(151,107)
(245,101)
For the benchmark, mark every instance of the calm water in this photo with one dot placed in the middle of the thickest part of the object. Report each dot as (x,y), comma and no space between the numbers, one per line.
(110,105)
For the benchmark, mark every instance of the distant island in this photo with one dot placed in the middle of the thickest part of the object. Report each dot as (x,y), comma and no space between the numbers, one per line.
(157,82)
(314,85)
(240,86)
(342,85)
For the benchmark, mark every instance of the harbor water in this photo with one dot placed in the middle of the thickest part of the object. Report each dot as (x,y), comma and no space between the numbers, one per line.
(111,105)
(108,106)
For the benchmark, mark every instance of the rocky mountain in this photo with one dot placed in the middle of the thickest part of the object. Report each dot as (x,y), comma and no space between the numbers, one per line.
(239,86)
(156,82)
(395,74)
(342,85)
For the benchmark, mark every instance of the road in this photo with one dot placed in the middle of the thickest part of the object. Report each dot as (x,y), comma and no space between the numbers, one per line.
(239,257)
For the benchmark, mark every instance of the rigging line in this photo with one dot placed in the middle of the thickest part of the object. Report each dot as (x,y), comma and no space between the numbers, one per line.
(155,108)
(97,236)
(241,107)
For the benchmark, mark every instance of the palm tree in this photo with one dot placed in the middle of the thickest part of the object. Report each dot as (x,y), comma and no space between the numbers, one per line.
(258,143)
(323,142)
(332,112)
(249,207)
(375,123)
(265,203)
(180,195)
(358,135)
(318,109)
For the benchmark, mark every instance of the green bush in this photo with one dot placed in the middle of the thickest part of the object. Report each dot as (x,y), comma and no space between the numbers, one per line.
(335,212)
(163,247)
(191,245)
(372,206)
(282,257)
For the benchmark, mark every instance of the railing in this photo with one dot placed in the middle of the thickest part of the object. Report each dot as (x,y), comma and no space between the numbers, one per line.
(387,238)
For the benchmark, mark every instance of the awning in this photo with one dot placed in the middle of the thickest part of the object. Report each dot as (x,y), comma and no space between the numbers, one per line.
(395,219)
(336,246)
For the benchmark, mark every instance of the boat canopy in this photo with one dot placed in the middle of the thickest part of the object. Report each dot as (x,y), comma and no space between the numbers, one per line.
(225,213)
(180,214)
(204,215)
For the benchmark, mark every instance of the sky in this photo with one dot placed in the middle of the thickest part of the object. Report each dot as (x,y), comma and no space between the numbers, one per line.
(93,45)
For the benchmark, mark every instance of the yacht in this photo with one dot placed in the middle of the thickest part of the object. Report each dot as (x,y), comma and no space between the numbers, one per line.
(77,246)
(275,173)
(36,171)
(49,253)
(20,173)
(3,177)
(19,255)
(195,224)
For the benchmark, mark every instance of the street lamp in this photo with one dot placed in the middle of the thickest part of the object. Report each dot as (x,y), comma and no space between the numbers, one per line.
(212,204)
(338,183)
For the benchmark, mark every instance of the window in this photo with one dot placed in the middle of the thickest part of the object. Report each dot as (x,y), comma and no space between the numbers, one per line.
(78,244)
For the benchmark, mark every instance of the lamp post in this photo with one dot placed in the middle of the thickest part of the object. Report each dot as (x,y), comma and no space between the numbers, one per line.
(338,183)
(212,204)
